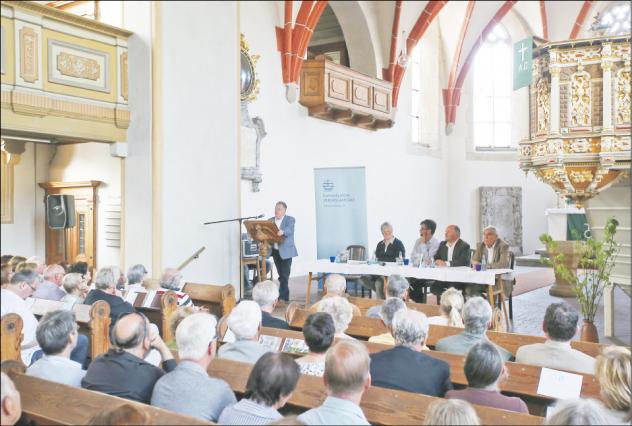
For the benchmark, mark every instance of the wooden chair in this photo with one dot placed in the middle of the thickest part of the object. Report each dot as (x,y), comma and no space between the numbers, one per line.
(357,252)
(11,338)
(222,327)
(168,304)
(219,299)
(46,402)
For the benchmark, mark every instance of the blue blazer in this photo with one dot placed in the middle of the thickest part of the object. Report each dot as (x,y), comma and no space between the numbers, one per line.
(287,249)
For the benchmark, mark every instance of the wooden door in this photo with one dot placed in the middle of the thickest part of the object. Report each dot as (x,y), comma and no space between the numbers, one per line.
(79,241)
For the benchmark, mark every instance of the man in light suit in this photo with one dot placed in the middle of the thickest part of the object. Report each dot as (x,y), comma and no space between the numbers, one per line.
(496,254)
(283,252)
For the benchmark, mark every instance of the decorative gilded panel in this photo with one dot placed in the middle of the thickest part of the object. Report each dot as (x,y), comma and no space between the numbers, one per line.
(574,56)
(78,66)
(543,105)
(622,97)
(124,89)
(580,99)
(29,54)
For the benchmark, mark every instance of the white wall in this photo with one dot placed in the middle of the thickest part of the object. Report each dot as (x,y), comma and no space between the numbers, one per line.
(92,161)
(200,170)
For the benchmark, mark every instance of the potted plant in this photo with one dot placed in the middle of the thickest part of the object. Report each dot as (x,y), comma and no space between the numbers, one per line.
(596,260)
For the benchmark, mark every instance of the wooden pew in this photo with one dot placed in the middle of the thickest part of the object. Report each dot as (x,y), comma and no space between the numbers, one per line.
(93,319)
(364,327)
(380,406)
(365,303)
(220,300)
(168,303)
(523,379)
(47,402)
(11,337)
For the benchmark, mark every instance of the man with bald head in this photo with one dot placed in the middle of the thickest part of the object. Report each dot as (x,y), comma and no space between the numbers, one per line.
(452,252)
(51,287)
(122,371)
(347,376)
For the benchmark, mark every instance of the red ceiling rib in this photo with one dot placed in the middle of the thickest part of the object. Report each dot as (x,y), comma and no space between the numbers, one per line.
(448,107)
(305,38)
(581,18)
(456,94)
(545,25)
(426,17)
(387,73)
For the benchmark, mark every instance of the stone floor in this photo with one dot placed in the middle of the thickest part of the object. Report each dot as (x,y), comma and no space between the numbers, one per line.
(528,309)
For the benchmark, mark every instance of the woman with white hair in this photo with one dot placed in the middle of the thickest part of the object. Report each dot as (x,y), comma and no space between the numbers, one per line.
(76,288)
(105,289)
(450,412)
(577,412)
(451,307)
(341,312)
(245,323)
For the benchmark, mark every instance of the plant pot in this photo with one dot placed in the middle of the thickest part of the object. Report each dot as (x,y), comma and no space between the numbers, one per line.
(589,333)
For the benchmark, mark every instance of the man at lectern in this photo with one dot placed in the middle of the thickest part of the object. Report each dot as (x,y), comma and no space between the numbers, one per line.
(283,252)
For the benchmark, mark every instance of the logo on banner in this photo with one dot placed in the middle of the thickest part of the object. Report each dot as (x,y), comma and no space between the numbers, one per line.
(328,185)
(523,63)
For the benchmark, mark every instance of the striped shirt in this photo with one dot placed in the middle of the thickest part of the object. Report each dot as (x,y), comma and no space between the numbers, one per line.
(183,298)
(248,412)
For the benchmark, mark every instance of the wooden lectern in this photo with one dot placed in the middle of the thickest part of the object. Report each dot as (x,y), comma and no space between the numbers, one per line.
(264,232)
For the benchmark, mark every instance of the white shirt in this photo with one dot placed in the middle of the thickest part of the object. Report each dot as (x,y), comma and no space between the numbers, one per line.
(277,222)
(11,303)
(490,253)
(57,369)
(450,251)
(557,355)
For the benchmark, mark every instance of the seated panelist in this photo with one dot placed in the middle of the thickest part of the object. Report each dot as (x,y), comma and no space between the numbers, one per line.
(387,250)
(495,251)
(452,252)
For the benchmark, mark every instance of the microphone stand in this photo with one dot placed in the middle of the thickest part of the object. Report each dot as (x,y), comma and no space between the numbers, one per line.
(241,266)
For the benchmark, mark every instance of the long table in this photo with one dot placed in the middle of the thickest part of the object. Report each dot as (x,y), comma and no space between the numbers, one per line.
(460,274)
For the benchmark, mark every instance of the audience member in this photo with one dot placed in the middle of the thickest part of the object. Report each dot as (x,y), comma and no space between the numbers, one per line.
(335,285)
(7,273)
(614,373)
(346,378)
(12,300)
(57,336)
(245,323)
(424,251)
(495,252)
(105,289)
(188,389)
(171,280)
(40,265)
(75,287)
(560,326)
(406,367)
(15,260)
(576,412)
(388,309)
(340,310)
(477,315)
(319,331)
(450,412)
(26,265)
(122,371)
(51,287)
(451,307)
(452,252)
(136,275)
(387,250)
(6,258)
(124,415)
(175,319)
(266,294)
(83,269)
(10,401)
(485,369)
(397,287)
(291,420)
(270,385)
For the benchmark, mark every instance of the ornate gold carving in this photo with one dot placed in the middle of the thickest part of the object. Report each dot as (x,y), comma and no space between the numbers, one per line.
(579,146)
(622,96)
(124,89)
(543,104)
(615,144)
(583,54)
(249,80)
(555,71)
(580,99)
(78,66)
(29,52)
(580,176)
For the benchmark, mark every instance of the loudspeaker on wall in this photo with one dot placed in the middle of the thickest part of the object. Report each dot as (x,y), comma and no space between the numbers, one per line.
(60,211)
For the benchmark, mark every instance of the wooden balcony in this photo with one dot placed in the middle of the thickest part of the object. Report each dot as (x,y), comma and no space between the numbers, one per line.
(336,93)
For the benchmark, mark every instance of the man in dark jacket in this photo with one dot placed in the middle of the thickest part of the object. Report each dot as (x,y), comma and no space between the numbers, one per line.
(452,252)
(406,367)
(122,371)
(266,294)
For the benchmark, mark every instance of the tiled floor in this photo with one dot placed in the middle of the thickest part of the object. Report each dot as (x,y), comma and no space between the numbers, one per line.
(528,309)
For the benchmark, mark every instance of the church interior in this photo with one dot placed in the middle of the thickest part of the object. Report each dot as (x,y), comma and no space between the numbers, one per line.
(316,212)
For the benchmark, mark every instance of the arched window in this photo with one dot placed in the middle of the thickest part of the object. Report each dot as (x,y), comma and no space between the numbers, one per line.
(616,20)
(492,92)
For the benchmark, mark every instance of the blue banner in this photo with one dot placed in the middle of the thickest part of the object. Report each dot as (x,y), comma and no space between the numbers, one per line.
(340,209)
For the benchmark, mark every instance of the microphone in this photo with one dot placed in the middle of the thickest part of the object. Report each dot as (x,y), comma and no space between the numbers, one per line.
(260,216)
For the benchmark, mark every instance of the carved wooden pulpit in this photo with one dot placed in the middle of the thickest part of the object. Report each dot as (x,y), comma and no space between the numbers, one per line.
(264,232)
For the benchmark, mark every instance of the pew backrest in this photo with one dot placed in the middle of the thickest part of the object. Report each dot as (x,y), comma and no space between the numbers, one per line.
(220,299)
(47,402)
(11,337)
(365,304)
(380,405)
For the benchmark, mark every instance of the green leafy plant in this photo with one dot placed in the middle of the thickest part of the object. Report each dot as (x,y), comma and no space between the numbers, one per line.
(596,260)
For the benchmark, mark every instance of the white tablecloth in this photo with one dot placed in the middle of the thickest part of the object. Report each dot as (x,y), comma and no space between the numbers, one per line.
(461,274)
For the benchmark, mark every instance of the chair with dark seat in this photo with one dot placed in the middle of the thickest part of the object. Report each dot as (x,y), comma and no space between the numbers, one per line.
(356,252)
